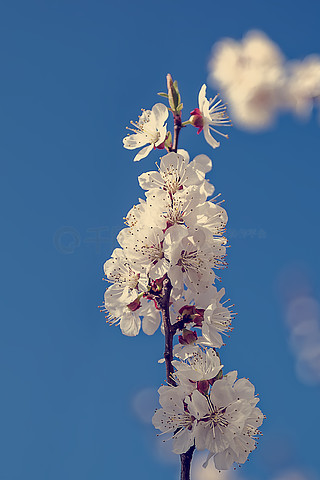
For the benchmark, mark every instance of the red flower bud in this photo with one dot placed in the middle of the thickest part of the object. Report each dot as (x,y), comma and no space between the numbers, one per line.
(187,310)
(161,146)
(198,316)
(196,119)
(133,306)
(203,386)
(188,337)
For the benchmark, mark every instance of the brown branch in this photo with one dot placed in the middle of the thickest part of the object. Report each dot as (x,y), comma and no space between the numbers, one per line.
(185,458)
(163,302)
(176,130)
(179,325)
(186,463)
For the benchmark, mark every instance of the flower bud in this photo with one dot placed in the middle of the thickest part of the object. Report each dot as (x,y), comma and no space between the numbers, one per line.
(190,313)
(157,285)
(203,386)
(188,337)
(161,145)
(168,141)
(174,95)
(133,306)
(198,316)
(187,310)
(196,119)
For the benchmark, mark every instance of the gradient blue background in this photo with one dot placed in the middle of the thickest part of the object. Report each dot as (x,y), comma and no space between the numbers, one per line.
(73,74)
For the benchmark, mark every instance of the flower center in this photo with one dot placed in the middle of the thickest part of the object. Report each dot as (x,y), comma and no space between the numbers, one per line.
(132,279)
(217,417)
(153,135)
(189,260)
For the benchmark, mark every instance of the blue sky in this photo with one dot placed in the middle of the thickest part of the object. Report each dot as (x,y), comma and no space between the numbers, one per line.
(74,73)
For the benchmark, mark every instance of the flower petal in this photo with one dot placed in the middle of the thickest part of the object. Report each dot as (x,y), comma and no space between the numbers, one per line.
(160,112)
(143,153)
(209,138)
(202,96)
(135,140)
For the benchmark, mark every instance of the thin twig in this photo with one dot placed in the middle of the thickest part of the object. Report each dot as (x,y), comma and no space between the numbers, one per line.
(176,130)
(163,302)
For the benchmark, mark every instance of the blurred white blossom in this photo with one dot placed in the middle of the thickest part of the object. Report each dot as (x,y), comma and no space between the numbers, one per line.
(258,83)
(303,85)
(294,474)
(303,318)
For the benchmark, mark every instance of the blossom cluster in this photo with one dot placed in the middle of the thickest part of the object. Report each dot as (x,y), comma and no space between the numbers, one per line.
(164,274)
(174,232)
(209,410)
(258,82)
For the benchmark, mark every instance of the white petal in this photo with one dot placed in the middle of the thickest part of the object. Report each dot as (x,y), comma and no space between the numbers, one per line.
(150,180)
(202,96)
(202,163)
(162,134)
(150,323)
(221,393)
(198,405)
(135,140)
(224,460)
(130,324)
(160,112)
(209,138)
(185,154)
(244,388)
(172,160)
(143,153)
(183,442)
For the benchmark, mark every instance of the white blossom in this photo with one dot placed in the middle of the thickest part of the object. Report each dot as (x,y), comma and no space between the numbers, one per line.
(126,281)
(144,249)
(217,320)
(200,299)
(227,420)
(148,212)
(210,114)
(150,129)
(174,418)
(128,316)
(209,216)
(199,365)
(191,258)
(175,173)
(222,418)
(179,208)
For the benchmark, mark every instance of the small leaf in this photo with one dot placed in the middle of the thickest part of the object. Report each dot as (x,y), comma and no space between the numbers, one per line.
(173,94)
(162,94)
(168,141)
(175,86)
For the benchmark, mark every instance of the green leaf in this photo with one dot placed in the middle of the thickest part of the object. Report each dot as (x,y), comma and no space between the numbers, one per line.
(162,94)
(168,141)
(175,86)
